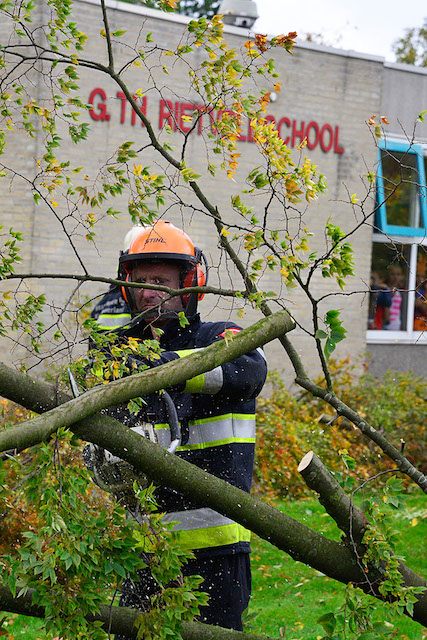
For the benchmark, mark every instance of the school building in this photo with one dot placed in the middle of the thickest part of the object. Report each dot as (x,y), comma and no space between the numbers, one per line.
(327,99)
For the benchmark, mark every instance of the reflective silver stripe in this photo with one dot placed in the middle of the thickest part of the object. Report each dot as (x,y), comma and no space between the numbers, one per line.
(163,436)
(212,432)
(196,519)
(261,352)
(218,431)
(213,381)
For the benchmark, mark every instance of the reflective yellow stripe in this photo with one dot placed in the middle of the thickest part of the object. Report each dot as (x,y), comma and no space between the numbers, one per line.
(220,430)
(185,352)
(196,384)
(225,416)
(216,443)
(214,536)
(206,538)
(215,431)
(113,320)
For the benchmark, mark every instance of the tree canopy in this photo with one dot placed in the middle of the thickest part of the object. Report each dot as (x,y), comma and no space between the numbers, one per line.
(411,48)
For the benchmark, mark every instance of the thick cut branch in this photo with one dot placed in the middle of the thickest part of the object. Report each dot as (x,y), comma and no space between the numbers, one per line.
(168,375)
(336,502)
(334,559)
(121,619)
(340,507)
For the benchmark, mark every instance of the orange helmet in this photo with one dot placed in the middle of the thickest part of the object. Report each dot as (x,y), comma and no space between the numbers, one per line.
(164,241)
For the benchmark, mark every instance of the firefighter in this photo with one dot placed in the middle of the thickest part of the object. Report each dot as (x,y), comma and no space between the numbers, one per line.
(216,411)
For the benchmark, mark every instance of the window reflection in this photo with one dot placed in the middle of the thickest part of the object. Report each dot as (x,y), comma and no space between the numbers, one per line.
(420,302)
(388,297)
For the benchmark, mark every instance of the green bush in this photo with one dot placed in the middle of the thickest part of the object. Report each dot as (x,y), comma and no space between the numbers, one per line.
(396,406)
(289,427)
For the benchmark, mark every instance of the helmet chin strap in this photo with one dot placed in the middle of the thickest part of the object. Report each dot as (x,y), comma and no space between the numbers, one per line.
(190,309)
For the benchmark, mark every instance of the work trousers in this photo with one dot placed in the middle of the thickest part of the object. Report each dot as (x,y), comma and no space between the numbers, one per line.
(227,580)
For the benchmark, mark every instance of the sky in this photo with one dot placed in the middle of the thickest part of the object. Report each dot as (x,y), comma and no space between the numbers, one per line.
(368,26)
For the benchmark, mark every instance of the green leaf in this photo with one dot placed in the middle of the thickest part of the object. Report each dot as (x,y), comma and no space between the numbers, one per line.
(328,622)
(320,335)
(183,321)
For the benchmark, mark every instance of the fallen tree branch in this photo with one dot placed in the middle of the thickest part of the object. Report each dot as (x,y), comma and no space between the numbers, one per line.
(334,559)
(332,496)
(341,508)
(121,619)
(172,373)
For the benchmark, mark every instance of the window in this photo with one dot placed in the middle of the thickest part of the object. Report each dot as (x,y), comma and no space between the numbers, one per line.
(401,189)
(398,288)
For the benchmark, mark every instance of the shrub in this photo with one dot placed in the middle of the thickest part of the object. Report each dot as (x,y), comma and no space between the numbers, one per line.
(289,426)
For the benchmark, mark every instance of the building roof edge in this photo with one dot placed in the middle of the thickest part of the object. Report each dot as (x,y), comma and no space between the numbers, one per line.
(400,66)
(305,44)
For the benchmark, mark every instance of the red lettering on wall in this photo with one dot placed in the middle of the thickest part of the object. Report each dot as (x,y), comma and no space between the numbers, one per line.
(165,113)
(287,122)
(123,100)
(121,96)
(175,114)
(337,148)
(101,108)
(326,129)
(297,133)
(312,126)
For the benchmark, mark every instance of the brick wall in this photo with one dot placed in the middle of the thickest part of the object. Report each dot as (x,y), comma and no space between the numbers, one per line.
(319,86)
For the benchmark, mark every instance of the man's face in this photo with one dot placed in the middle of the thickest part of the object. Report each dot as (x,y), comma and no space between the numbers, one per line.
(167,275)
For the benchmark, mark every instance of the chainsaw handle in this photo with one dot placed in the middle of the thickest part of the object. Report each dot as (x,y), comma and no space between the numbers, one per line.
(173,421)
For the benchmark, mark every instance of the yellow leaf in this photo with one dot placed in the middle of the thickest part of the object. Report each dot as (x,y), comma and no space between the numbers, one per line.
(137,169)
(139,93)
(224,232)
(354,199)
(102,33)
(277,86)
(414,522)
(137,63)
(53,203)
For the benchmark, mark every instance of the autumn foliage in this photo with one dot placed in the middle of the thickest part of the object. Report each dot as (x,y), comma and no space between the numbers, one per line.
(289,426)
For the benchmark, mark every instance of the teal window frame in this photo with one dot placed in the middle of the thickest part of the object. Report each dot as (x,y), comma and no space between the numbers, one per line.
(390,229)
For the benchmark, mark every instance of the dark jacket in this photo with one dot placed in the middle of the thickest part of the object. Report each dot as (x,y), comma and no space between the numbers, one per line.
(217,416)
(112,311)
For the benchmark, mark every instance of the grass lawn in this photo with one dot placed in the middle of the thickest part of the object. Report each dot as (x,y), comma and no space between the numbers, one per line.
(288,597)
